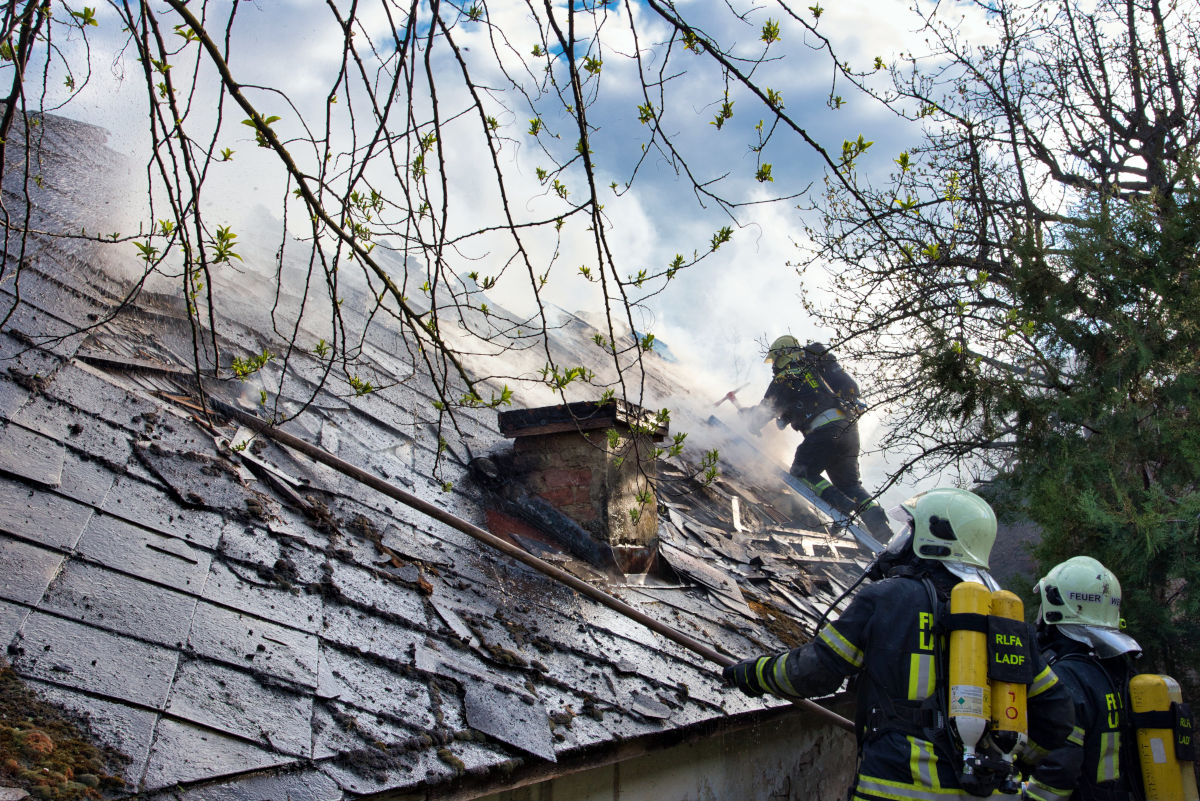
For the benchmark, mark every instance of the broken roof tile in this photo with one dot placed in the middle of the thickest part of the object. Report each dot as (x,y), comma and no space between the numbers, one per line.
(243,589)
(196,478)
(374,685)
(372,770)
(518,719)
(340,729)
(377,591)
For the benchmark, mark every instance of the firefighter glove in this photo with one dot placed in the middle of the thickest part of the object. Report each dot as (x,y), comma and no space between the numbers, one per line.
(744,675)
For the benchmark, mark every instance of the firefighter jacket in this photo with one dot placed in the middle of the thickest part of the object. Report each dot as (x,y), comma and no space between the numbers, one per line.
(802,391)
(1106,767)
(890,638)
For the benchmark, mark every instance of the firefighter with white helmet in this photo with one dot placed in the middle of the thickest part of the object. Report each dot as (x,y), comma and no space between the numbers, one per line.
(1079,633)
(894,636)
(811,392)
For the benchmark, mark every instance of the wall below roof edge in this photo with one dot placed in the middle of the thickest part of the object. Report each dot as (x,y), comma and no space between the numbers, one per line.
(787,755)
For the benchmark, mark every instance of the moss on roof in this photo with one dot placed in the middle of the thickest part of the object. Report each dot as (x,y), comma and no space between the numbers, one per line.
(48,750)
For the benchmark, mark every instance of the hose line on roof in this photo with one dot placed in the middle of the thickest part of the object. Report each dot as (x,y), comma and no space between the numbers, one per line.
(437,513)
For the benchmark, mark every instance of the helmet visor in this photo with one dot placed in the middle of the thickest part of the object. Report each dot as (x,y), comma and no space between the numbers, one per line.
(1104,641)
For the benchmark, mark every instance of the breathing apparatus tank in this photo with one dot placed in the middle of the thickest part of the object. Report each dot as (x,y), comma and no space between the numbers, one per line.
(970,701)
(1010,724)
(1164,727)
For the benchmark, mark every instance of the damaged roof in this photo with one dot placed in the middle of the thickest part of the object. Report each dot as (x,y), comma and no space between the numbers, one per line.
(240,620)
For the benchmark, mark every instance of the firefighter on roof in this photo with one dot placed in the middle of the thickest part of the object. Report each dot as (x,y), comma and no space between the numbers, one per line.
(895,638)
(1079,634)
(813,394)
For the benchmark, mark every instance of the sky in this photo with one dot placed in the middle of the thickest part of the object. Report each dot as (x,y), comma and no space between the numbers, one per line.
(716,316)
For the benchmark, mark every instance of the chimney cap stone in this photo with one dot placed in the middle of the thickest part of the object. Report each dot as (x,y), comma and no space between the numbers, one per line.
(580,416)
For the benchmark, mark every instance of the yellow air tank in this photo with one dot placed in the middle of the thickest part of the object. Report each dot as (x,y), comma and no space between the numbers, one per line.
(1187,767)
(1010,726)
(970,696)
(1163,775)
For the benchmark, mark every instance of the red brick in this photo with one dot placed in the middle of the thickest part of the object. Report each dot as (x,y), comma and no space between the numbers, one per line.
(567,478)
(560,497)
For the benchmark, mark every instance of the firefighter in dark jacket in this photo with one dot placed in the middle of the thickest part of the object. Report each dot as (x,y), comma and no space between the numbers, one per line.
(1079,635)
(892,638)
(813,394)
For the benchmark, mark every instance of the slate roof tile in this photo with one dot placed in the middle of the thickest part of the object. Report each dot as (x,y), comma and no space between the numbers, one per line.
(242,589)
(11,617)
(28,570)
(239,703)
(85,480)
(48,331)
(391,597)
(22,356)
(354,628)
(184,752)
(148,554)
(340,729)
(79,386)
(377,686)
(29,512)
(237,638)
(31,456)
(79,432)
(149,505)
(77,655)
(384,770)
(293,785)
(120,603)
(13,396)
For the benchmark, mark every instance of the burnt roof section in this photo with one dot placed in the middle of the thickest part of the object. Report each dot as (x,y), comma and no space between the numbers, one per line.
(242,621)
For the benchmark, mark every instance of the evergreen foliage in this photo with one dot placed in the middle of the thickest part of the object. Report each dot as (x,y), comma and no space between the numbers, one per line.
(1110,465)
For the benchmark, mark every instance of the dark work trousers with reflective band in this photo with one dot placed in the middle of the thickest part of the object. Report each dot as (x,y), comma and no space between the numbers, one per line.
(832,449)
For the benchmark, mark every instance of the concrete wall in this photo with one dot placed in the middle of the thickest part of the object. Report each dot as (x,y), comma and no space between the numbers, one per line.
(791,758)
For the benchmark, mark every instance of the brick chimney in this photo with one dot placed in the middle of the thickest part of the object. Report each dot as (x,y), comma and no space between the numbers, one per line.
(591,461)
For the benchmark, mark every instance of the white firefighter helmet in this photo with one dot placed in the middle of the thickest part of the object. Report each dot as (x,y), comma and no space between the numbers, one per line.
(956,527)
(1082,598)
